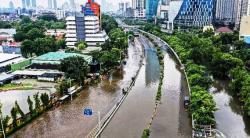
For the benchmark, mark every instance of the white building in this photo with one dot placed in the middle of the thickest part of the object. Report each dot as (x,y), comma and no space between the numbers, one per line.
(60,14)
(71,37)
(84,28)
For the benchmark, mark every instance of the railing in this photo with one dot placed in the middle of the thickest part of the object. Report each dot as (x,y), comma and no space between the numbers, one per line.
(97,130)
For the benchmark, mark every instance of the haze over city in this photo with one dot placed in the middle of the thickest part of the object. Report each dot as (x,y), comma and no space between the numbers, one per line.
(44,3)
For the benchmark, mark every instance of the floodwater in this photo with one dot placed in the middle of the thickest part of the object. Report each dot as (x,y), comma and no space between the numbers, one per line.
(229,117)
(8,98)
(134,114)
(171,119)
(67,121)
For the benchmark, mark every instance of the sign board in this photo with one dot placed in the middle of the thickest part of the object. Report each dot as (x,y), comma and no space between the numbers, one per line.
(87,112)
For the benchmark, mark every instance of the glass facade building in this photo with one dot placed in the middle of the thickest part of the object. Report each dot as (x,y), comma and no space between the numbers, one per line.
(197,13)
(151,8)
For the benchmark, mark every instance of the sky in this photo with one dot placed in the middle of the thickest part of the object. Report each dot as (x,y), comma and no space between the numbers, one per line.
(44,3)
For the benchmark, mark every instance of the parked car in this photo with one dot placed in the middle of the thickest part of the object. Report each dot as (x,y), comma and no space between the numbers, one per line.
(186,101)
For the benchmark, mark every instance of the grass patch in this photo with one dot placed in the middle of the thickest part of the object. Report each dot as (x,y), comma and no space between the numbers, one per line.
(16,87)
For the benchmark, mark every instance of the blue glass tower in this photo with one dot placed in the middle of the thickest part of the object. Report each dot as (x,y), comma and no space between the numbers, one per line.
(151,8)
(197,13)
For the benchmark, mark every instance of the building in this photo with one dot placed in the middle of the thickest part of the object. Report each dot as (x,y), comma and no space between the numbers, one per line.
(10,47)
(7,60)
(151,8)
(28,3)
(139,9)
(52,60)
(7,34)
(58,33)
(52,4)
(24,4)
(244,33)
(33,3)
(197,13)
(174,8)
(226,11)
(86,26)
(60,14)
(11,5)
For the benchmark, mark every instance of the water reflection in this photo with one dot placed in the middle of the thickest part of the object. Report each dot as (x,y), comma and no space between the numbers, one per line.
(229,116)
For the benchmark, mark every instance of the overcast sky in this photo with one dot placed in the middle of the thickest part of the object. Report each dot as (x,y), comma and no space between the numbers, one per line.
(44,3)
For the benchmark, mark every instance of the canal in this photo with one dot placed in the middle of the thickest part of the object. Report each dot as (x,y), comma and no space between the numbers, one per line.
(229,117)
(68,121)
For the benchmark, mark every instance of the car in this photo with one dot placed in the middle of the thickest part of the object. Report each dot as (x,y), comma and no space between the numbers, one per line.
(186,101)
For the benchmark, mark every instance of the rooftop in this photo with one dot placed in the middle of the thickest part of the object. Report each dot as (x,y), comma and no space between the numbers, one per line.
(224,30)
(57,57)
(6,57)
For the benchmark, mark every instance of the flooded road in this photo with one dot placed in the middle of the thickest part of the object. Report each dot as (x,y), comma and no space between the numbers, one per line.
(171,119)
(134,114)
(229,116)
(67,121)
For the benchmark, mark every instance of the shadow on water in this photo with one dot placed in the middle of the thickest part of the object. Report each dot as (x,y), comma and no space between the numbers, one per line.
(229,117)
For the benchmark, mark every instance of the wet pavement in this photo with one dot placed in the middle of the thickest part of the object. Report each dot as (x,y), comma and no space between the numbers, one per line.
(134,114)
(67,121)
(8,98)
(171,119)
(229,117)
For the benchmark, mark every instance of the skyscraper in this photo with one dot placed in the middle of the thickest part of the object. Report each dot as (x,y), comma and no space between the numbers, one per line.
(11,5)
(226,11)
(151,8)
(197,13)
(52,4)
(28,3)
(23,4)
(72,4)
(33,3)
(55,4)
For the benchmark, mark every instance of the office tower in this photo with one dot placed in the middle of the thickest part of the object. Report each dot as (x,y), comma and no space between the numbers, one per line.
(11,5)
(86,27)
(139,8)
(151,8)
(245,11)
(54,4)
(28,3)
(72,4)
(23,3)
(197,13)
(226,11)
(50,4)
(33,3)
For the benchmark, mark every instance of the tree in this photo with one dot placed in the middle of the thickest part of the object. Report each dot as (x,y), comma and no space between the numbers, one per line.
(34,33)
(75,68)
(30,102)
(63,87)
(81,45)
(5,24)
(45,99)
(223,63)
(108,23)
(44,45)
(27,48)
(19,110)
(14,116)
(48,17)
(37,102)
(110,59)
(61,43)
(19,36)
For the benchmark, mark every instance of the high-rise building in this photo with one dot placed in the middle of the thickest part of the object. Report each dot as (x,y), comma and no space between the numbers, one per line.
(139,8)
(55,4)
(52,4)
(151,8)
(197,13)
(86,27)
(72,4)
(33,3)
(28,3)
(11,5)
(23,3)
(226,11)
(245,11)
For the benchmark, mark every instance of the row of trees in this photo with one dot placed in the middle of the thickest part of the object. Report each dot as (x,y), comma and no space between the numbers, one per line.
(34,41)
(5,24)
(223,55)
(41,103)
